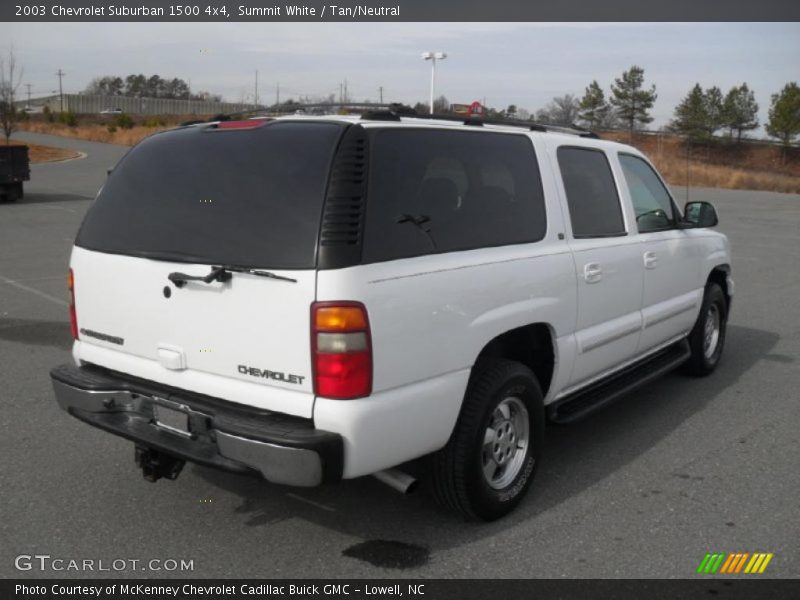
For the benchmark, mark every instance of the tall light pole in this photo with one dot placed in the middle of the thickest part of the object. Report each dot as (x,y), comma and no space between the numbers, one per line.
(433,57)
(60,88)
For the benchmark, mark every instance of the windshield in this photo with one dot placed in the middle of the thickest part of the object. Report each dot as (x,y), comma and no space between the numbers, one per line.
(245,197)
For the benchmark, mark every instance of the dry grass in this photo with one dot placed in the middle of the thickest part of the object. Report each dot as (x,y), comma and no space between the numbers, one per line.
(39,154)
(719,176)
(93,132)
(745,166)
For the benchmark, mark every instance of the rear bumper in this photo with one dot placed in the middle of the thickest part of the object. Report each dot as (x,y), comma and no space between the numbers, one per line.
(282,448)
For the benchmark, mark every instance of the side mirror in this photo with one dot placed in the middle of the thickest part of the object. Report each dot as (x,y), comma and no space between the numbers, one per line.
(699,214)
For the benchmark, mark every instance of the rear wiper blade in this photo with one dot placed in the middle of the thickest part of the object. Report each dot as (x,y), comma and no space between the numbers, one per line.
(222,274)
(259,272)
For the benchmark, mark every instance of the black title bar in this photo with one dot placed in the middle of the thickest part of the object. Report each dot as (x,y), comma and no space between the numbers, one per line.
(416,589)
(398,10)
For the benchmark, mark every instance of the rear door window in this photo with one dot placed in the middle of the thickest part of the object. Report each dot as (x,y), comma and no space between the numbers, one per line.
(594,207)
(434,191)
(244,197)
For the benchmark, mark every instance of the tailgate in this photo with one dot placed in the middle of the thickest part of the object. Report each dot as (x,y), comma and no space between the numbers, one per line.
(246,340)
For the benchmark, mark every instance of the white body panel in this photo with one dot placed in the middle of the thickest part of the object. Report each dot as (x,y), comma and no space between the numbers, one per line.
(609,303)
(673,285)
(430,319)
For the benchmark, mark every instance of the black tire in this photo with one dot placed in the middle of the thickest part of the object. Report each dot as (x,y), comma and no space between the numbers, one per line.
(14,192)
(459,483)
(703,360)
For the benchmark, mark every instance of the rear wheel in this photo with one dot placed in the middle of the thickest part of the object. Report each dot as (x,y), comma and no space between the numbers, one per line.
(490,460)
(707,338)
(13,192)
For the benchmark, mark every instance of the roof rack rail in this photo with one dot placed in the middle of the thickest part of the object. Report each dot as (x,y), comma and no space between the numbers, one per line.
(477,121)
(371,108)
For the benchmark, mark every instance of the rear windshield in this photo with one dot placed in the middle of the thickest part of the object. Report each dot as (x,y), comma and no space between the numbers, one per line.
(244,197)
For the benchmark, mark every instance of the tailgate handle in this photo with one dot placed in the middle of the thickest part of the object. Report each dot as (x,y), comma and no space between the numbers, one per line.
(217,274)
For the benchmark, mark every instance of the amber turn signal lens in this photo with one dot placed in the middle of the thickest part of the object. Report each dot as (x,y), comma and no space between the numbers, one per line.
(340,318)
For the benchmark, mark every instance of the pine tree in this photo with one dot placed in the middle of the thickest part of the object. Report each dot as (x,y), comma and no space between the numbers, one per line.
(740,111)
(690,114)
(700,114)
(784,114)
(594,109)
(632,103)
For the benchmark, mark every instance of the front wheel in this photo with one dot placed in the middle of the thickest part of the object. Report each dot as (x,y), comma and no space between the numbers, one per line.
(491,458)
(707,338)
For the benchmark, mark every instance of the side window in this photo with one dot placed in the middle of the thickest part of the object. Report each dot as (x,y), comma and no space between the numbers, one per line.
(651,200)
(594,207)
(434,191)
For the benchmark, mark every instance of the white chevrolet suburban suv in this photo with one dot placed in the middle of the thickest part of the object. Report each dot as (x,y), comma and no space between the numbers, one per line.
(318,298)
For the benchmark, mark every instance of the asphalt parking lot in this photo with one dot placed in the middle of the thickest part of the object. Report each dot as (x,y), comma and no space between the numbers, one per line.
(643,489)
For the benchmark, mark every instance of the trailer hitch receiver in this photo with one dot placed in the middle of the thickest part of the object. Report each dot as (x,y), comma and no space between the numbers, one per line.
(155,464)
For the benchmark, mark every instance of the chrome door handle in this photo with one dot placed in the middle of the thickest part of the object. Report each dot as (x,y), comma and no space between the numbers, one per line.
(650,260)
(592,272)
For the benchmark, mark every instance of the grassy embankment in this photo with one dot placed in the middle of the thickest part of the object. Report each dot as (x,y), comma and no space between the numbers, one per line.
(95,132)
(744,166)
(747,166)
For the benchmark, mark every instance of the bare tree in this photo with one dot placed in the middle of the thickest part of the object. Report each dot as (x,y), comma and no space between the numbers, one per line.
(563,110)
(10,81)
(441,105)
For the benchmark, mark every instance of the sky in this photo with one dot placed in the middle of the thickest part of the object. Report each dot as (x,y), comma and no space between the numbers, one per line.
(525,64)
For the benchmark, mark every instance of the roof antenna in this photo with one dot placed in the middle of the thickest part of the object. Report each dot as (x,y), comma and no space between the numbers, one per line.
(688,149)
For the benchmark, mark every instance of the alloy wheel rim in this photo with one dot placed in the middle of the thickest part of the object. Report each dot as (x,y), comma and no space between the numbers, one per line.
(711,331)
(505,443)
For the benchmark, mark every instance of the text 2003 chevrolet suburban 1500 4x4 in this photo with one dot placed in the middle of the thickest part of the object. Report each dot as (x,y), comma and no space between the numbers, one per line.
(317,298)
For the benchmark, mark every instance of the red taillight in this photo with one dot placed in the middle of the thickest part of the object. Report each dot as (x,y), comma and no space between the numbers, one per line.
(341,350)
(73,317)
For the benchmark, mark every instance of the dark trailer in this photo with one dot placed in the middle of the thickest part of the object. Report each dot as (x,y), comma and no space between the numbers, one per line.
(14,169)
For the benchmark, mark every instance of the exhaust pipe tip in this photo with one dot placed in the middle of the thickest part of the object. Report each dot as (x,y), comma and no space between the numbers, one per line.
(397,480)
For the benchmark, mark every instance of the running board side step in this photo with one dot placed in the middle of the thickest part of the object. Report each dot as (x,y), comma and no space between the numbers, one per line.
(584,402)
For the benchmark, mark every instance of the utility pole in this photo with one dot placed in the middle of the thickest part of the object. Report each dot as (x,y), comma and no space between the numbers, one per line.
(380,91)
(341,99)
(345,91)
(256,96)
(278,94)
(61,89)
(28,85)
